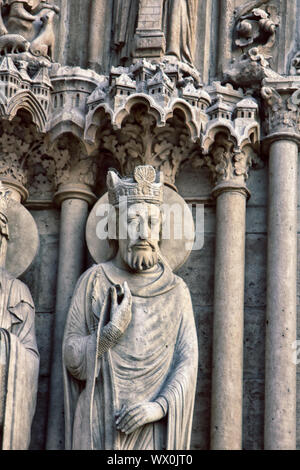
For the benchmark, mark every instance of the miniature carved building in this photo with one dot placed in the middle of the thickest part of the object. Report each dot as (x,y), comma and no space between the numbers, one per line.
(208,93)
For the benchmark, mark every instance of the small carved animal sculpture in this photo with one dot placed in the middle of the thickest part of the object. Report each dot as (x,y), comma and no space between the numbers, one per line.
(43,44)
(13,44)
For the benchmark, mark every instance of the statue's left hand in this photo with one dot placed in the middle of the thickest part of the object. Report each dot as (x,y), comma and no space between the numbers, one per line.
(131,418)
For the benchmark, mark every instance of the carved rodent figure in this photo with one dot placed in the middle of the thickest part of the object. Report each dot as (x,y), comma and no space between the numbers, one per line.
(13,43)
(43,44)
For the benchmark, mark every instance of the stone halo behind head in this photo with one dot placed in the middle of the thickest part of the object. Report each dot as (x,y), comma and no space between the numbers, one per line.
(176,252)
(23,241)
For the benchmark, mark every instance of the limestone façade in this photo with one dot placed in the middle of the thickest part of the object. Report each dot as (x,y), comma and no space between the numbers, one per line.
(209,117)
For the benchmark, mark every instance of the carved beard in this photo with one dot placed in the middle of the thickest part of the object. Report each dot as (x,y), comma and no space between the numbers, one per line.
(141,260)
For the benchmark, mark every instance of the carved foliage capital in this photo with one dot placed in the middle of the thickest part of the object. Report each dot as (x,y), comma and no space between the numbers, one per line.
(72,165)
(141,142)
(29,160)
(228,162)
(281,109)
(18,142)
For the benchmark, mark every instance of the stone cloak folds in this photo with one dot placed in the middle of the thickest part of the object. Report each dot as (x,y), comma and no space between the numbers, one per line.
(19,362)
(156,357)
(179,25)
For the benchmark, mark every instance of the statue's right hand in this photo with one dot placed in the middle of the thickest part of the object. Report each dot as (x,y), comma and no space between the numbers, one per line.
(121,313)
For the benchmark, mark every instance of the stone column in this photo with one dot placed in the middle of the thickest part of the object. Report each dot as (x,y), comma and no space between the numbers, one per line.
(281,320)
(74,201)
(227,383)
(227,374)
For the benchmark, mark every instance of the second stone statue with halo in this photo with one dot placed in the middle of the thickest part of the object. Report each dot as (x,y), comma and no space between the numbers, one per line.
(130,348)
(19,357)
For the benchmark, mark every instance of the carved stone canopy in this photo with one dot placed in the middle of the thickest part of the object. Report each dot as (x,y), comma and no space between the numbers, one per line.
(141,142)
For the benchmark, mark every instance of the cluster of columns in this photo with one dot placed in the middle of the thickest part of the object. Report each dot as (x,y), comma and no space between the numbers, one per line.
(281,317)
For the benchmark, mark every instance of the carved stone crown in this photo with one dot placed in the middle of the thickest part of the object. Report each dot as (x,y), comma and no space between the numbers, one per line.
(145,185)
(4,197)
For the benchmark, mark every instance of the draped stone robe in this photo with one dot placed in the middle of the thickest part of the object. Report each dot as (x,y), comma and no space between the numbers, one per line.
(179,25)
(19,363)
(155,358)
(125,17)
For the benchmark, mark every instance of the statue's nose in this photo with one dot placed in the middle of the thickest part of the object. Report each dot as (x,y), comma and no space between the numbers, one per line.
(143,234)
(143,231)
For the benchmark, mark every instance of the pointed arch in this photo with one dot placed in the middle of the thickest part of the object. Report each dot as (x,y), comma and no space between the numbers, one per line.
(27,100)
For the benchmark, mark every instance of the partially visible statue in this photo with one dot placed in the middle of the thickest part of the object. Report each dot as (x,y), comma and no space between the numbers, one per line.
(130,349)
(29,22)
(179,25)
(22,10)
(19,357)
(125,21)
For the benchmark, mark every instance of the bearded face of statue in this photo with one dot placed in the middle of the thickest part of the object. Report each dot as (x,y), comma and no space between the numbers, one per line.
(139,229)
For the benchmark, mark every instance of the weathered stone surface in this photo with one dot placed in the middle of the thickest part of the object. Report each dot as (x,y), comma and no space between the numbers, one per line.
(194,182)
(204,323)
(258,186)
(255,273)
(42,275)
(253,417)
(298,407)
(256,219)
(47,221)
(254,343)
(198,273)
(44,329)
(201,434)
(39,424)
(64,125)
